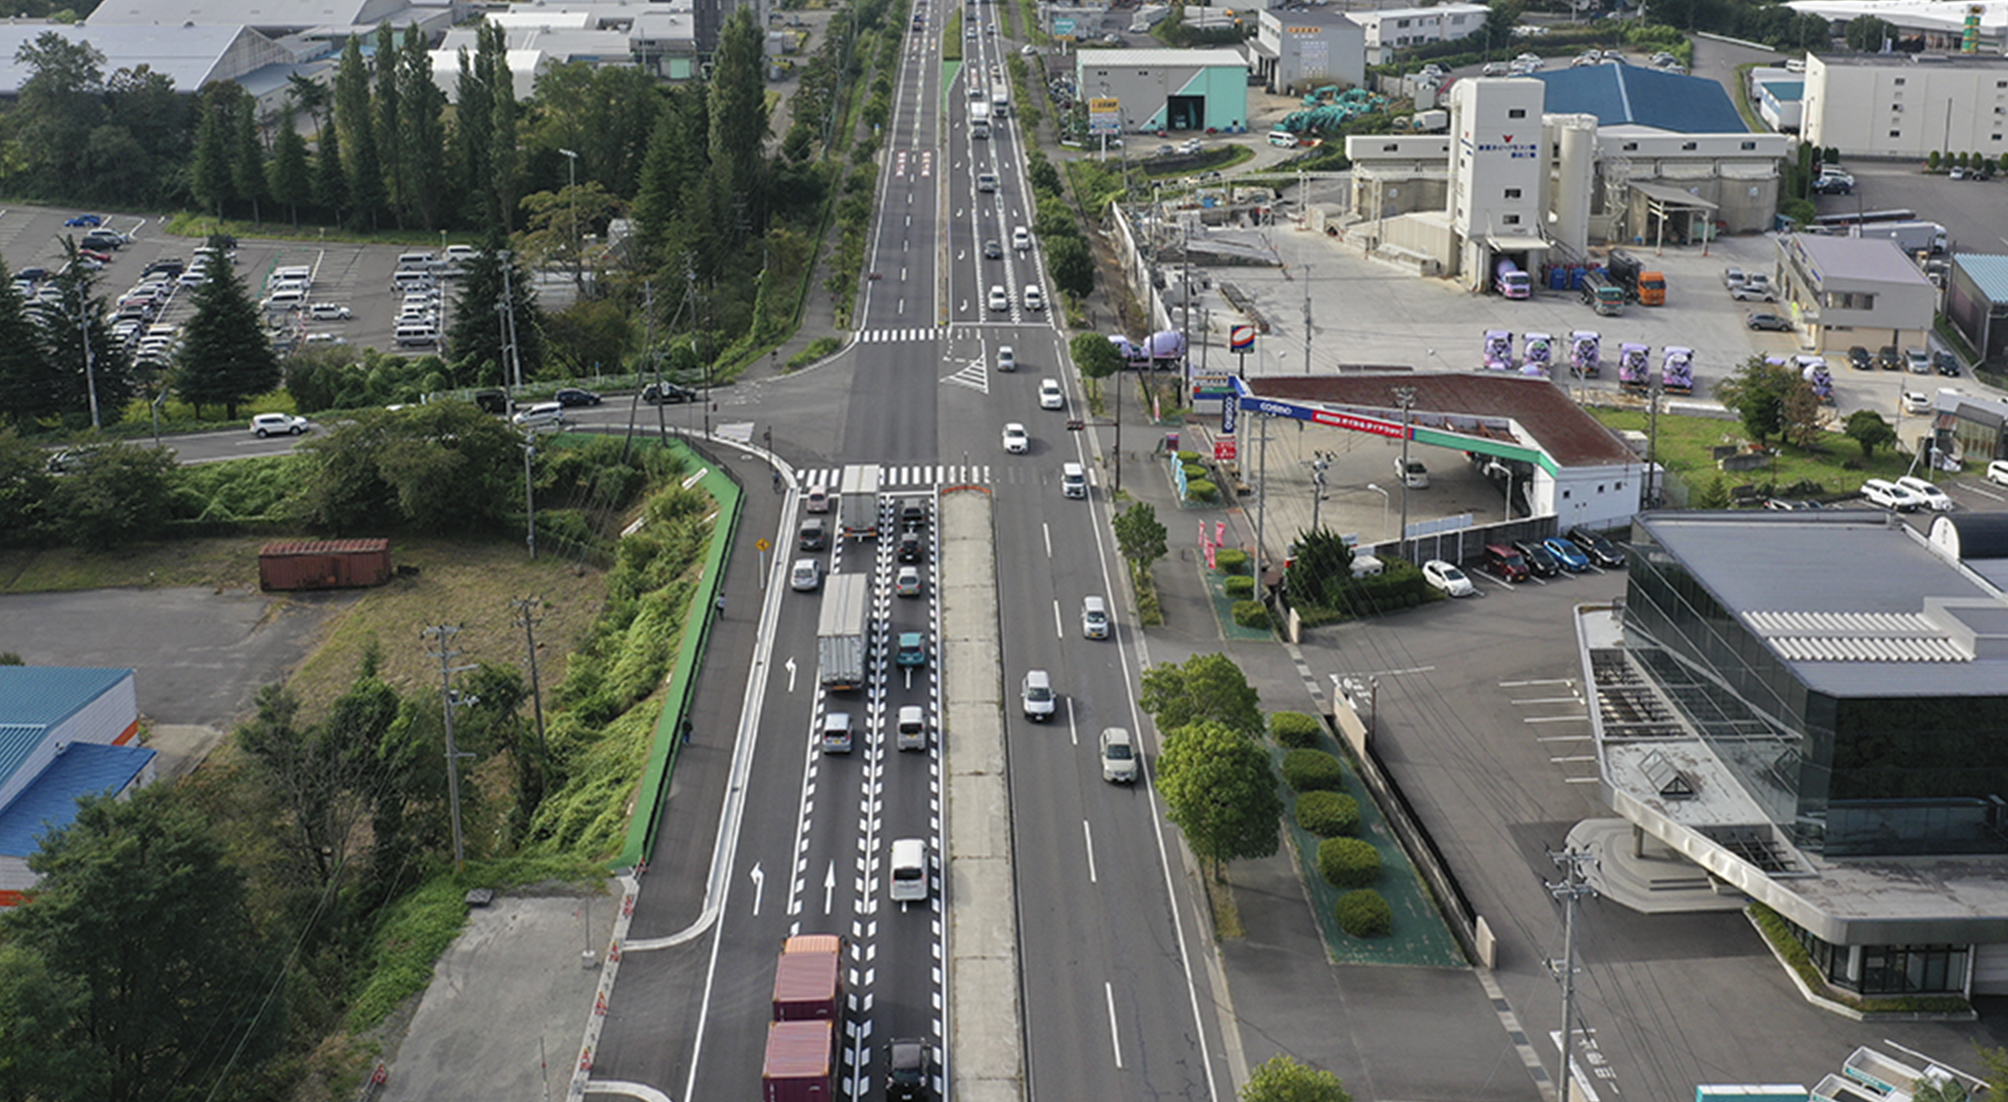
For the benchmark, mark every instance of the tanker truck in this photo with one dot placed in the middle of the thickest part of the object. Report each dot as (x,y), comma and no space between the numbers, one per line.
(1498,350)
(1510,281)
(1540,349)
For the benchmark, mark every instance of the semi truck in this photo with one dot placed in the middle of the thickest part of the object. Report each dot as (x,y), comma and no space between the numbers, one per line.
(1633,368)
(858,502)
(1676,371)
(1912,237)
(1584,348)
(1603,293)
(809,979)
(1510,281)
(1000,99)
(1540,355)
(843,631)
(1498,350)
(1642,285)
(800,1063)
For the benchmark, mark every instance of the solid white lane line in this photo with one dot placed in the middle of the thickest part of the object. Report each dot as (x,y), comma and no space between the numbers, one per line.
(1115,1042)
(1088,837)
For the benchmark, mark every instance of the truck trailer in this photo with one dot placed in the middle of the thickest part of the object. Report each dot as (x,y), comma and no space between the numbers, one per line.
(800,1063)
(843,631)
(858,502)
(1642,285)
(1912,237)
(809,979)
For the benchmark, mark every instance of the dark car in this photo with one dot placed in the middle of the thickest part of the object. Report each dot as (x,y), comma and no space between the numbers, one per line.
(1946,363)
(1834,186)
(1600,550)
(35,274)
(1888,358)
(492,400)
(912,516)
(909,548)
(993,250)
(667,394)
(102,239)
(1505,563)
(1539,559)
(166,266)
(91,220)
(573,396)
(1772,322)
(909,1075)
(1860,360)
(814,535)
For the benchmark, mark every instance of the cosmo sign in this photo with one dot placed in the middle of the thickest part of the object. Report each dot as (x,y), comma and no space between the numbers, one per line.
(1317,415)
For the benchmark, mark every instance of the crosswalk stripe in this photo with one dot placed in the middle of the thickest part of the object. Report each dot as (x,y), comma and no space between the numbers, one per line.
(888,336)
(893,478)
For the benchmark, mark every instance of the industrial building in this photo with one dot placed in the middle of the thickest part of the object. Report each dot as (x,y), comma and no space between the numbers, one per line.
(189,55)
(1389,29)
(64,733)
(1844,291)
(1294,52)
(1976,301)
(1830,750)
(1168,89)
(1628,155)
(1981,26)
(1907,105)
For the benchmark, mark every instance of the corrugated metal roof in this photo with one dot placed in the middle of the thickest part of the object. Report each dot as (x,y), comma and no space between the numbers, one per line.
(1620,94)
(1162,59)
(1989,272)
(1785,90)
(82,769)
(47,695)
(322,547)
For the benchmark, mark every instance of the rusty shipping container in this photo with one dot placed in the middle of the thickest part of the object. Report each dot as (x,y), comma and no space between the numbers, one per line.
(808,978)
(800,1062)
(324,564)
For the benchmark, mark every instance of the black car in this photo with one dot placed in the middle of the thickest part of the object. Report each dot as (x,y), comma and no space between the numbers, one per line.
(168,266)
(909,548)
(1539,559)
(993,250)
(1600,550)
(667,394)
(912,516)
(814,535)
(1834,186)
(35,274)
(492,400)
(910,1078)
(1946,363)
(573,396)
(1888,358)
(1860,360)
(1768,321)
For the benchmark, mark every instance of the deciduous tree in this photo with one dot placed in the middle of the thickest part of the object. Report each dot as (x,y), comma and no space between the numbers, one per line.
(1207,688)
(122,494)
(1139,536)
(1282,1079)
(1220,788)
(1756,392)
(1867,428)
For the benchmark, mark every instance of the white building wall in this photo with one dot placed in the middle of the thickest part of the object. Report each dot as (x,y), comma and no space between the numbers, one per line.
(1594,497)
(1416,26)
(1498,173)
(109,718)
(1908,108)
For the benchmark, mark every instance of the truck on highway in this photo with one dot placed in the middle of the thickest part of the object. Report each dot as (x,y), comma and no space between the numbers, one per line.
(809,979)
(1676,371)
(1603,293)
(858,502)
(843,631)
(1643,285)
(1000,99)
(800,1062)
(1912,237)
(1510,281)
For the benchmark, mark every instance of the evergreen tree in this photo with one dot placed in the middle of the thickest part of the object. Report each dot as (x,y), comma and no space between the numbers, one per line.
(82,357)
(331,181)
(473,135)
(225,358)
(739,120)
(423,132)
(291,182)
(247,160)
(389,123)
(505,158)
(25,377)
(475,339)
(210,176)
(678,155)
(356,120)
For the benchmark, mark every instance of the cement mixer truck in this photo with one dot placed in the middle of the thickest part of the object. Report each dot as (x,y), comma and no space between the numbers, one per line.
(1633,368)
(1813,369)
(1540,348)
(1676,371)
(1510,281)
(1583,351)
(1498,350)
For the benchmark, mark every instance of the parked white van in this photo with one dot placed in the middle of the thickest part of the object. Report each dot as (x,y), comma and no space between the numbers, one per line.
(908,883)
(417,336)
(279,301)
(1283,138)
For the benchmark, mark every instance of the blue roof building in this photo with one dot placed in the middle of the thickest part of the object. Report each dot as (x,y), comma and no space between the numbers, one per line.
(63,734)
(1629,95)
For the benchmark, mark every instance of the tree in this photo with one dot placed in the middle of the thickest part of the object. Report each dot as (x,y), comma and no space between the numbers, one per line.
(356,119)
(1866,34)
(421,132)
(1282,1079)
(1072,266)
(1208,688)
(1713,494)
(225,358)
(505,159)
(1320,566)
(1947,1089)
(738,132)
(139,911)
(441,467)
(1867,428)
(551,217)
(1994,1061)
(475,337)
(1756,392)
(677,159)
(123,494)
(25,377)
(1094,357)
(59,100)
(331,180)
(292,181)
(323,776)
(1500,21)
(1139,536)
(473,136)
(35,1005)
(26,492)
(210,176)
(81,356)
(247,157)
(389,103)
(1804,422)
(1220,789)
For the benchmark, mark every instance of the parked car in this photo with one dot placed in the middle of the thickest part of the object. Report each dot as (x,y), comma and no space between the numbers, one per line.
(1539,559)
(1889,495)
(1442,575)
(1505,563)
(269,424)
(329,311)
(91,220)
(1930,496)
(1772,322)
(1997,472)
(1732,278)
(1916,361)
(1946,363)
(1756,285)
(1568,554)
(1600,550)
(575,396)
(1860,359)
(1888,359)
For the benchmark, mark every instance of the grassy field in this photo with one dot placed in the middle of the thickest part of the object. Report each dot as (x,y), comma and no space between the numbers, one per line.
(1685,442)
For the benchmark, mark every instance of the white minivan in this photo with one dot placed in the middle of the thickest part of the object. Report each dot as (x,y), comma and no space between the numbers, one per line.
(908,880)
(911,729)
(541,415)
(1036,696)
(1073,480)
(1283,138)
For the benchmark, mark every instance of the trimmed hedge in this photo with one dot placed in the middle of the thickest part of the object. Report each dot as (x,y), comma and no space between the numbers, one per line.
(1294,729)
(1348,862)
(1328,814)
(1230,560)
(1364,913)
(1194,472)
(1313,771)
(1199,489)
(1251,614)
(1240,587)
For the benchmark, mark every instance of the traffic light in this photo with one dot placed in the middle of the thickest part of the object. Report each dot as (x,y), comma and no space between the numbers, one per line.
(1076,425)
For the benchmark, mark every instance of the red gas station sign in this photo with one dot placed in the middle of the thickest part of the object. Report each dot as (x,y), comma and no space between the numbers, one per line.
(1223,450)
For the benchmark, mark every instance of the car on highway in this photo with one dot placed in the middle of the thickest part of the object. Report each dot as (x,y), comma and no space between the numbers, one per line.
(539,415)
(329,311)
(836,737)
(1035,696)
(1119,764)
(1007,358)
(1772,322)
(1015,440)
(1568,554)
(993,250)
(1930,496)
(1000,300)
(986,181)
(576,396)
(814,535)
(911,727)
(1021,239)
(1050,395)
(912,516)
(1094,618)
(807,576)
(912,649)
(817,500)
(667,394)
(910,548)
(92,221)
(907,582)
(274,424)
(1446,577)
(1600,550)
(1860,359)
(1035,299)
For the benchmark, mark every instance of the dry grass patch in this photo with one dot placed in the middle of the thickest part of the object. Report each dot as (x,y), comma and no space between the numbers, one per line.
(221,563)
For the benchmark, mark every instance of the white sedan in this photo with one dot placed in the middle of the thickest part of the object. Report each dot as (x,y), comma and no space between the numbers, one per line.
(1015,440)
(1933,498)
(1050,395)
(1448,578)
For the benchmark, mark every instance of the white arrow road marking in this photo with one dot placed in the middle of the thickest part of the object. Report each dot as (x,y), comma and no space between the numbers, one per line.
(829,887)
(790,665)
(759,885)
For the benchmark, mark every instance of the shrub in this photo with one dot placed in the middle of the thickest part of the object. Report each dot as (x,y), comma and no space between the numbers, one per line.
(1364,913)
(1294,729)
(1312,771)
(1328,814)
(1251,614)
(1348,862)
(1201,490)
(1194,470)
(1188,458)
(1230,560)
(1241,587)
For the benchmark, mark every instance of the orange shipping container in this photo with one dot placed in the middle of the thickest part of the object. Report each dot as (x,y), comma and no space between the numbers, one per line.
(324,564)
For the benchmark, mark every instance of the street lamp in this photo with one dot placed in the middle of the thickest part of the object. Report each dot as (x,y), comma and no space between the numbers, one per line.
(572,169)
(1384,501)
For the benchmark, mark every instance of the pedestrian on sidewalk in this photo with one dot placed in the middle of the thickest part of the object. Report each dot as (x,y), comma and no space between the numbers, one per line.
(718,606)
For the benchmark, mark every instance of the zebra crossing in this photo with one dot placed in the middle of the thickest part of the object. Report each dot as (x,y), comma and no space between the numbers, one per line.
(896,477)
(896,336)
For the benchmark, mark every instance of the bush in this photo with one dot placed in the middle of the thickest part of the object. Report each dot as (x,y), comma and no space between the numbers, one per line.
(1328,814)
(1251,614)
(1294,729)
(1199,489)
(1313,771)
(1188,458)
(1241,587)
(1348,862)
(1364,913)
(1230,560)
(1194,470)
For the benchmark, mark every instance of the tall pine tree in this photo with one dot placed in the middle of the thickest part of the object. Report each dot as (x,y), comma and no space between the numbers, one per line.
(247,158)
(210,175)
(475,339)
(389,108)
(225,358)
(356,118)
(291,182)
(25,377)
(84,361)
(422,132)
(473,135)
(505,157)
(331,180)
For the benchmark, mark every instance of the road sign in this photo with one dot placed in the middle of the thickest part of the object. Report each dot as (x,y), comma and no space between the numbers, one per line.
(1241,338)
(761,543)
(1063,27)
(1223,450)
(1105,115)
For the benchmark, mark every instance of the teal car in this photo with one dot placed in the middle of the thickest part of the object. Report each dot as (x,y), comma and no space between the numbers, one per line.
(912,649)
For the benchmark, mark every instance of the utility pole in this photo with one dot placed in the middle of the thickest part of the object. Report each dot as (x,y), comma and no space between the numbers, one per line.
(444,633)
(512,365)
(1307,319)
(1404,396)
(524,607)
(530,490)
(1318,468)
(1646,499)
(578,246)
(90,362)
(1571,891)
(1261,494)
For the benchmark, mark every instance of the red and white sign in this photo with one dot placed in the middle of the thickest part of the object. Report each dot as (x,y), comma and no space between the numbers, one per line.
(1223,450)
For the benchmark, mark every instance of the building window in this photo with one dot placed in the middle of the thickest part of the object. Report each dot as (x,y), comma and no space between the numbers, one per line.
(1896,107)
(1899,82)
(1516,113)
(1749,145)
(1850,300)
(1512,219)
(1512,193)
(2001,84)
(1631,147)
(1690,147)
(1391,147)
(1896,133)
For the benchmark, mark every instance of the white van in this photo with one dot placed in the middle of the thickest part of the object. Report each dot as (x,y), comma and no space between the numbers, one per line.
(1036,696)
(417,336)
(415,261)
(292,299)
(293,273)
(908,881)
(1094,618)
(912,726)
(1283,138)
(410,279)
(1073,480)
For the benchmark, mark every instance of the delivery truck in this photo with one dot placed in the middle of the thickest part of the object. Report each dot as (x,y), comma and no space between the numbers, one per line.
(843,631)
(858,502)
(1643,285)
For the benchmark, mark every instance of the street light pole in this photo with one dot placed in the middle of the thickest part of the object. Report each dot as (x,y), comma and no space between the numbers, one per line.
(1375,487)
(578,270)
(1405,397)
